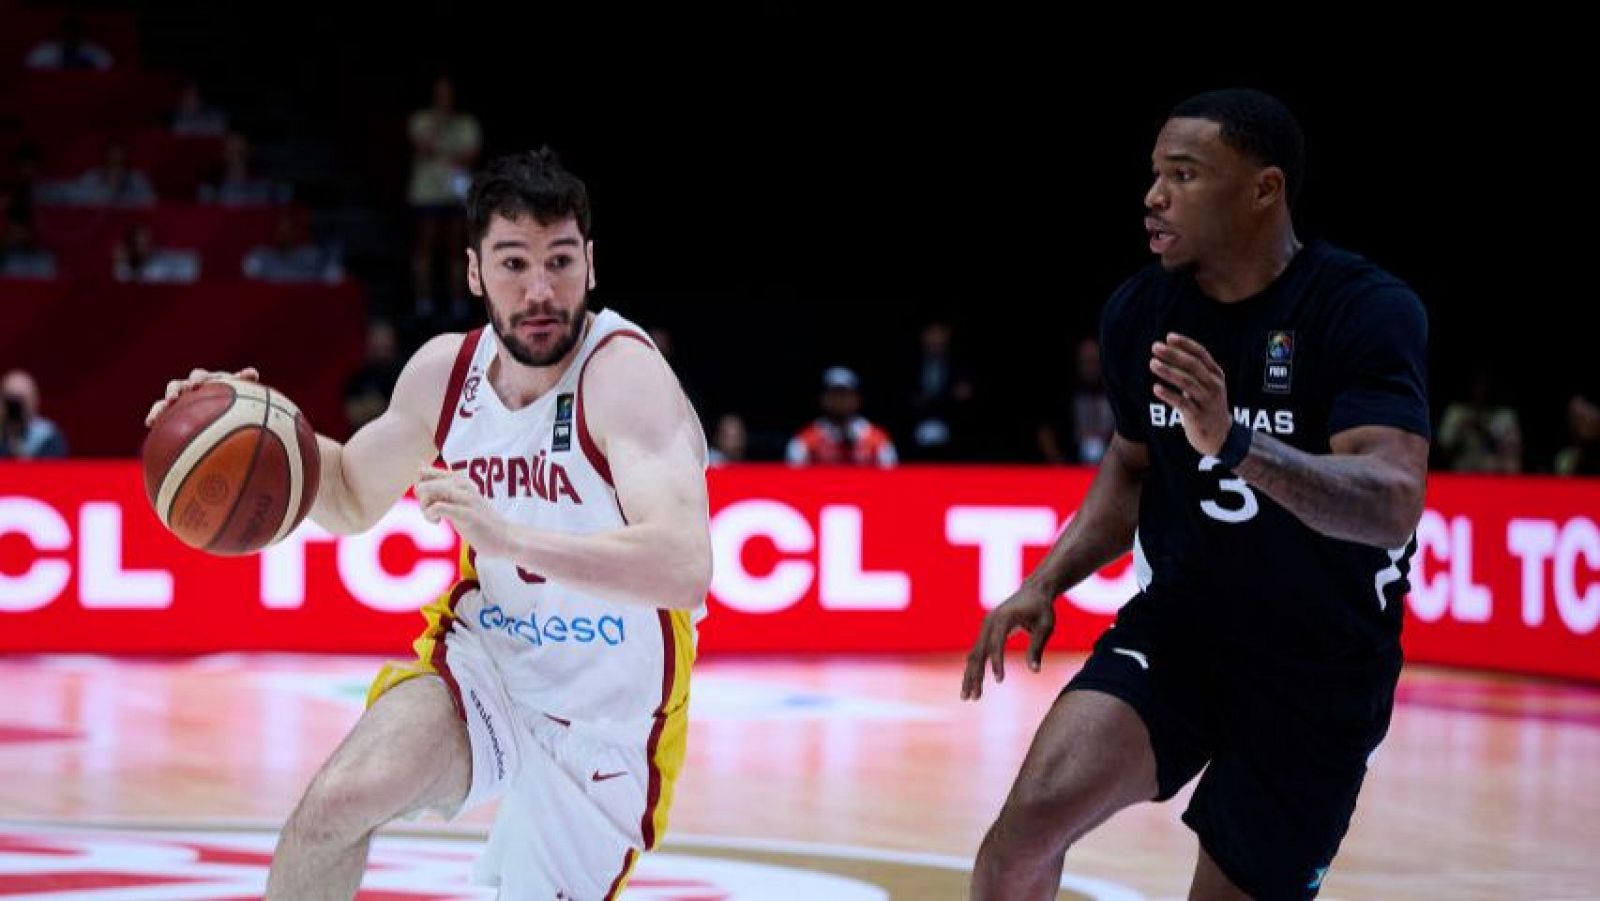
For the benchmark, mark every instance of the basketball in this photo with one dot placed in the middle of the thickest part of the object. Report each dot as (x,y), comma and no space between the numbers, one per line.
(231,467)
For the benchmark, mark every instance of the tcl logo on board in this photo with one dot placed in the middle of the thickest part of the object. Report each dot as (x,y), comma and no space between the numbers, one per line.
(825,554)
(90,542)
(1558,561)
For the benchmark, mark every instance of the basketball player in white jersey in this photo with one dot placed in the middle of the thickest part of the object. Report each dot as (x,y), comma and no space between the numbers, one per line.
(555,673)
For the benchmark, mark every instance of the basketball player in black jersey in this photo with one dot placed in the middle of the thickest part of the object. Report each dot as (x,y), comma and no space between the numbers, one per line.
(1267,471)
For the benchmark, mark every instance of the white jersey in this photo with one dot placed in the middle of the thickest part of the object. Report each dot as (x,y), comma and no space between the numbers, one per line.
(576,708)
(611,666)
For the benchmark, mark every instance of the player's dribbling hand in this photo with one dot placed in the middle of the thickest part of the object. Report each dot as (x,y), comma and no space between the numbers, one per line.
(1030,610)
(196,378)
(447,494)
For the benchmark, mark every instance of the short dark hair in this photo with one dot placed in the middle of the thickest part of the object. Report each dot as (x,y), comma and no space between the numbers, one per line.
(531,183)
(1257,125)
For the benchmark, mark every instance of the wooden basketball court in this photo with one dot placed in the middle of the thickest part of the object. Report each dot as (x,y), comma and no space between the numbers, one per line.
(806,778)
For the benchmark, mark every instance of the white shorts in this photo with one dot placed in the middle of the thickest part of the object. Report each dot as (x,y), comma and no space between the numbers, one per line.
(570,823)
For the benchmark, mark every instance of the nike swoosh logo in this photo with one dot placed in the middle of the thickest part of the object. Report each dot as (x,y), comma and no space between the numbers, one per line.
(601,777)
(1137,657)
(465,413)
(558,720)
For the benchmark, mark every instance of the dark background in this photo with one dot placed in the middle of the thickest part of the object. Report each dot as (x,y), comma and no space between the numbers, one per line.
(787,186)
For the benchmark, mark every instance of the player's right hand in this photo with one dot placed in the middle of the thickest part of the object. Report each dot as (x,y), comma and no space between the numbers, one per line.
(1030,610)
(196,378)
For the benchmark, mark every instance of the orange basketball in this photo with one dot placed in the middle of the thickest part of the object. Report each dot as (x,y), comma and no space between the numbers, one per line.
(231,466)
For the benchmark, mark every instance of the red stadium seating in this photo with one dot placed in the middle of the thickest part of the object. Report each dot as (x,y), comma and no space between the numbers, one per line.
(103,352)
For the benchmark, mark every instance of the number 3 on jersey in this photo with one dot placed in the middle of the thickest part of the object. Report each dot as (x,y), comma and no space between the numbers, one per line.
(1243,510)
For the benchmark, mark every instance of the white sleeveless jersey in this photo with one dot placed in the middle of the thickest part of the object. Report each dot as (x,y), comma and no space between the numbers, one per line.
(615,668)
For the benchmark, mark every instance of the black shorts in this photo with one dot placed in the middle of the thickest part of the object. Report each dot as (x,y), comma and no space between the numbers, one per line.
(1284,745)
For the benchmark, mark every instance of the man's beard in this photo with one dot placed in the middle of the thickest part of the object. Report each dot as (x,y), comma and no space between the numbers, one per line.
(520,351)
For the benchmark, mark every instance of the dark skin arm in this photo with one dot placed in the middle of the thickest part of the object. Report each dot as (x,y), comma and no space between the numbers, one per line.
(1369,490)
(1100,532)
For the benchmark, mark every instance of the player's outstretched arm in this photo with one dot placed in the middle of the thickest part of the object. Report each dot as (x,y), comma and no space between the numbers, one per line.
(1100,532)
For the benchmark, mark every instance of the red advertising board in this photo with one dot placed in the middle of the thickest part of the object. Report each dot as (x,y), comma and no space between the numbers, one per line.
(1507,576)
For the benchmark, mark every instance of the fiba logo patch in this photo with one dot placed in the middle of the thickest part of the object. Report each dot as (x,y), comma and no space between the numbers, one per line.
(561,437)
(1279,370)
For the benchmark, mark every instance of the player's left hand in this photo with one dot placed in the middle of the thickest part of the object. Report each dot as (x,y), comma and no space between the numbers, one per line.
(447,494)
(1190,381)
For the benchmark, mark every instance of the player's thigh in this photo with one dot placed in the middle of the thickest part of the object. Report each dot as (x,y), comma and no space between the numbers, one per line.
(408,752)
(1090,757)
(1167,686)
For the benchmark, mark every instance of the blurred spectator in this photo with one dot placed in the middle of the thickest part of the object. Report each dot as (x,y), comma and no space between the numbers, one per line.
(841,435)
(367,391)
(1581,456)
(1480,434)
(20,254)
(234,184)
(194,119)
(70,49)
(728,440)
(24,434)
(113,184)
(290,260)
(137,259)
(17,194)
(1086,431)
(941,398)
(669,352)
(444,148)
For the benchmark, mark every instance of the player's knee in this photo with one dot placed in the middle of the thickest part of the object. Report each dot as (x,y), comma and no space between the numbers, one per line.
(343,804)
(321,820)
(1049,808)
(1021,838)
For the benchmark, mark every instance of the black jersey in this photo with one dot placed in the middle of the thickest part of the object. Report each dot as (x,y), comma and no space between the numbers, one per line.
(1333,343)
